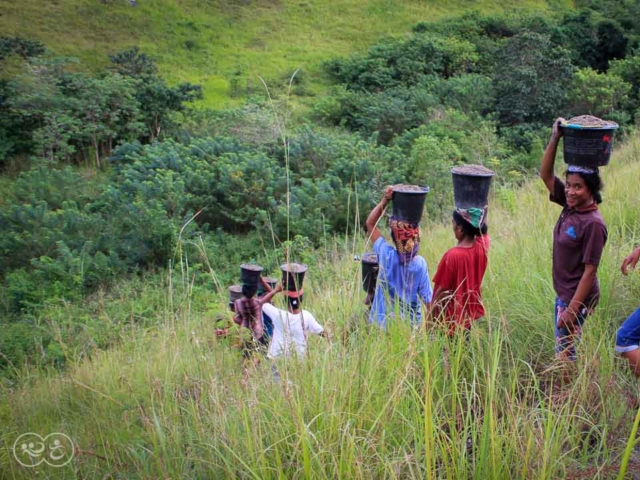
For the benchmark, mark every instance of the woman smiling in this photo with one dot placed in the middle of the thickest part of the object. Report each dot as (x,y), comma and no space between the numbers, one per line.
(579,237)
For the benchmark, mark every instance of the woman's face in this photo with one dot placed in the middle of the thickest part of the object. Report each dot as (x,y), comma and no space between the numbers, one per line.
(577,193)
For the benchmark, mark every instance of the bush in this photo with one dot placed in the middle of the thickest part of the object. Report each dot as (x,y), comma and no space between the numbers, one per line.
(474,136)
(431,162)
(385,114)
(629,71)
(20,342)
(404,63)
(599,94)
(472,93)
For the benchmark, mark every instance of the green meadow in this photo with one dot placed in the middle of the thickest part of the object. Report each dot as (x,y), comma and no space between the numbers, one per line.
(226,45)
(172,400)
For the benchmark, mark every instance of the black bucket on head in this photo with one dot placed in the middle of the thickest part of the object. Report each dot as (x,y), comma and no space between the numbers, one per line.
(293,276)
(370,267)
(587,147)
(250,274)
(408,202)
(271,281)
(235,293)
(471,184)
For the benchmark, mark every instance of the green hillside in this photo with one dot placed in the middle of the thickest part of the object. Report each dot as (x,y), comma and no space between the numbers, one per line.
(172,400)
(225,45)
(125,215)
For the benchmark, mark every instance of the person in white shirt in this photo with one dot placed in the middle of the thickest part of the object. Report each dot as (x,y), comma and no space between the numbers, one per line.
(290,327)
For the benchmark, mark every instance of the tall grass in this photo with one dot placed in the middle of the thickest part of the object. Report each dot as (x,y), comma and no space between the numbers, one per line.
(175,401)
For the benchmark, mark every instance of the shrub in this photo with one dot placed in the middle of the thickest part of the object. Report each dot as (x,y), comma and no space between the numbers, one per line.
(599,94)
(404,62)
(531,78)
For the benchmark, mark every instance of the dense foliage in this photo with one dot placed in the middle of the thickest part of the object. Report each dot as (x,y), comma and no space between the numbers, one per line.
(157,172)
(517,70)
(60,114)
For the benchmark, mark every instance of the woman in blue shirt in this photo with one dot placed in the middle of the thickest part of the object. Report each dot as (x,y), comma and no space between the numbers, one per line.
(403,278)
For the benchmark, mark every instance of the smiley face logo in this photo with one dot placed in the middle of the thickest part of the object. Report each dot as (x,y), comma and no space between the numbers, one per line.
(28,449)
(55,450)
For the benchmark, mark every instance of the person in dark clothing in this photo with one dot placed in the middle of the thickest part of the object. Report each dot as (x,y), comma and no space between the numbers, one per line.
(579,237)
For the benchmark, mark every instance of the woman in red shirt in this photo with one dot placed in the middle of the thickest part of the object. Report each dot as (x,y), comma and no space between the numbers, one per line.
(457,297)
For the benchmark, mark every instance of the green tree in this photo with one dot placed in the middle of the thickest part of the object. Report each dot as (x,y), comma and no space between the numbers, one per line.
(133,63)
(106,108)
(156,99)
(75,112)
(629,70)
(577,33)
(39,98)
(530,80)
(598,94)
(430,164)
(612,43)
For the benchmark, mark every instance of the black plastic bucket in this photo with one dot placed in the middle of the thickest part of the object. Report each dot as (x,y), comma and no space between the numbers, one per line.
(235,293)
(587,147)
(471,184)
(293,276)
(370,267)
(408,202)
(250,274)
(271,281)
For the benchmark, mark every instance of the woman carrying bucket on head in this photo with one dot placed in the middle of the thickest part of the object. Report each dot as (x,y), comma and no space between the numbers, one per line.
(248,309)
(457,296)
(293,325)
(579,237)
(403,277)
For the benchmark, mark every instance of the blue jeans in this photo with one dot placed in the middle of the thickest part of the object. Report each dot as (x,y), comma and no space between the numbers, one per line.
(565,339)
(628,336)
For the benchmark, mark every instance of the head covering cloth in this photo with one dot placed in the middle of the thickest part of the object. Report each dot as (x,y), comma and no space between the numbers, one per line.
(406,236)
(475,216)
(582,169)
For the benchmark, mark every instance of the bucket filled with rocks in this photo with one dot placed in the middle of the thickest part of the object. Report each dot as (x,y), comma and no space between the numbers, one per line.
(588,140)
(471,185)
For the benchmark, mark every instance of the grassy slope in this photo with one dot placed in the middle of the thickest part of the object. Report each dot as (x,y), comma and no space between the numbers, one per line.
(173,402)
(230,39)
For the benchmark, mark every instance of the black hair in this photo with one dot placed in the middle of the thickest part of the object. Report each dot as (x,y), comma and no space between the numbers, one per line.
(468,229)
(249,290)
(294,303)
(592,181)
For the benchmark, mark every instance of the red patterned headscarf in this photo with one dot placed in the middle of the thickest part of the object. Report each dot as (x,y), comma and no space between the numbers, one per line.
(406,236)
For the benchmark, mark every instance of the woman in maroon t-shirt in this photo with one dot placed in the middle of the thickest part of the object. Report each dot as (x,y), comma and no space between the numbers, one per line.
(457,296)
(579,237)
